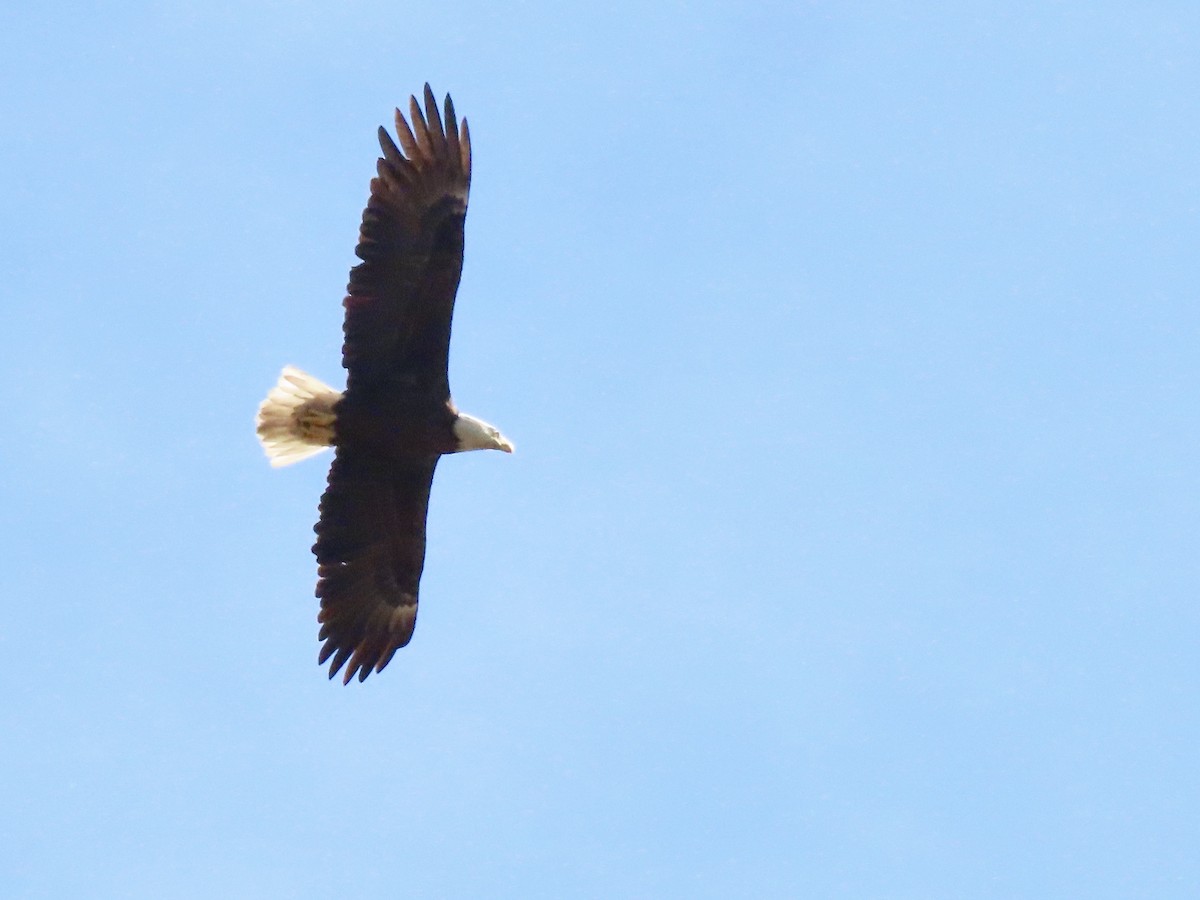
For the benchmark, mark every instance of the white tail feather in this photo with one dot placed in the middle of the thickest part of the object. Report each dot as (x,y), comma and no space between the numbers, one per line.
(296,420)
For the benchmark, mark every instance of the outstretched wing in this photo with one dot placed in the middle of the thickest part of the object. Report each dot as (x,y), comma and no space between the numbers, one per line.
(370,551)
(401,297)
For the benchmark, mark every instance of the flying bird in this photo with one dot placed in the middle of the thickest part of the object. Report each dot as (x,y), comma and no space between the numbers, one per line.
(395,419)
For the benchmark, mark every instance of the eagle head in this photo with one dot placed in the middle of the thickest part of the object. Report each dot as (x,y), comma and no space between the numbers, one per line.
(475,434)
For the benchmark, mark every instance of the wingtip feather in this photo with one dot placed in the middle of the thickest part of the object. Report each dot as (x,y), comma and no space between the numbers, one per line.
(420,128)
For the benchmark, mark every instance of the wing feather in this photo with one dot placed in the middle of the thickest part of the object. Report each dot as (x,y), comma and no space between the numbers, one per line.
(465,159)
(407,140)
(420,129)
(437,136)
(452,145)
(391,152)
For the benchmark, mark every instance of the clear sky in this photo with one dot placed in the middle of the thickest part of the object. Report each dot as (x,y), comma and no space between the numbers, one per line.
(850,546)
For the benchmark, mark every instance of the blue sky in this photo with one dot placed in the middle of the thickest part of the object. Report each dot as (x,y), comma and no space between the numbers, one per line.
(850,545)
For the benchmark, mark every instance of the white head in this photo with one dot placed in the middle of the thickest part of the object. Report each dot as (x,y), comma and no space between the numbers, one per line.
(475,434)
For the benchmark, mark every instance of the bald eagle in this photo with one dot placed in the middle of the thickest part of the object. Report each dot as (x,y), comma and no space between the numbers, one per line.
(395,419)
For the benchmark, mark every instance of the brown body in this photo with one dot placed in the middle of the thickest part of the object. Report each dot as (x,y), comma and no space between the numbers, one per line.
(396,426)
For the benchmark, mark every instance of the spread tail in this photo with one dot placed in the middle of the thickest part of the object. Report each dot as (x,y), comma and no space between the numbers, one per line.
(296,420)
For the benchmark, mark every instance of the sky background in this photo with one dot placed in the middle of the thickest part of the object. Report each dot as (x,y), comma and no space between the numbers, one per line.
(850,547)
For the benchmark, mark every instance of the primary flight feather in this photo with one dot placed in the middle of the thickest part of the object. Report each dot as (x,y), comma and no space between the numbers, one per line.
(396,418)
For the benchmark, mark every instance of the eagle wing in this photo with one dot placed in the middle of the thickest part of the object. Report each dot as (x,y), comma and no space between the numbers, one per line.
(370,551)
(400,298)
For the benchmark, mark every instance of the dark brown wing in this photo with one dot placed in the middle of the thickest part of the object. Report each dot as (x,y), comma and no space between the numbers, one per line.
(401,297)
(370,551)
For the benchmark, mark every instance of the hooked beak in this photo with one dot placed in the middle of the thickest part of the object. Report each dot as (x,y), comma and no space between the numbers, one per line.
(505,445)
